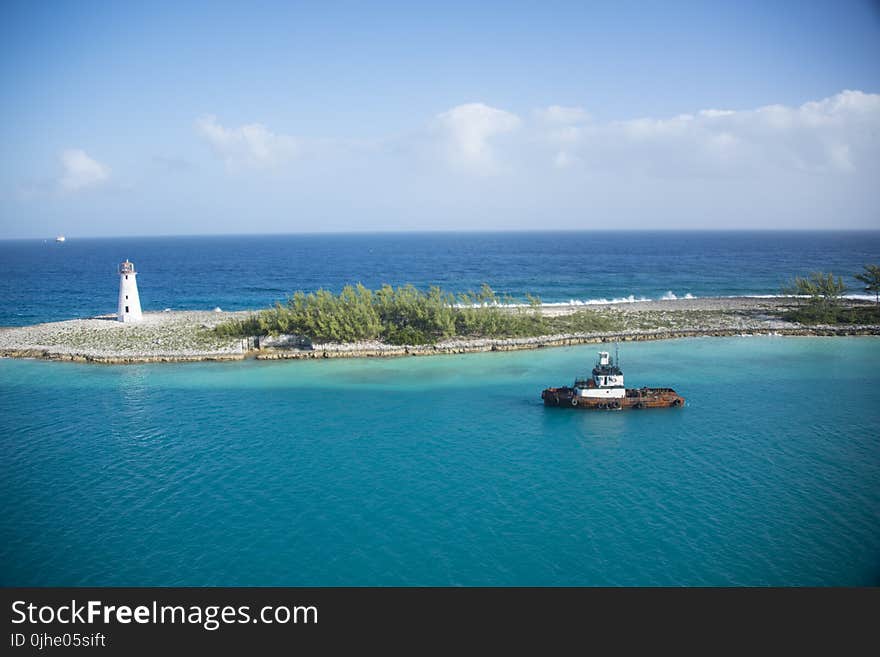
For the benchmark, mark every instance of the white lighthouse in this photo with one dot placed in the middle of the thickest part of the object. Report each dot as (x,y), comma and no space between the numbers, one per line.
(129,308)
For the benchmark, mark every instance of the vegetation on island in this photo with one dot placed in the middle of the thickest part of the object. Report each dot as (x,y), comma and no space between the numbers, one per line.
(407,315)
(822,299)
(870,277)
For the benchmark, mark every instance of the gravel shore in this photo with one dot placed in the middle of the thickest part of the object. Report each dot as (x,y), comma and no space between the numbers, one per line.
(161,336)
(175,336)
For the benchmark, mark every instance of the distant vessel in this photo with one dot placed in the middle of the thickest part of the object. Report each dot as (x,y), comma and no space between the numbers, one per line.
(60,238)
(605,391)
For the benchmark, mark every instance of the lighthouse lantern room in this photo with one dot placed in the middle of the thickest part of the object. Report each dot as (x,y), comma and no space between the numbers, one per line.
(129,308)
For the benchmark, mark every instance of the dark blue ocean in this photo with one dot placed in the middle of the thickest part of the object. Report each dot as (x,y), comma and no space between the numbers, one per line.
(44,281)
(441,470)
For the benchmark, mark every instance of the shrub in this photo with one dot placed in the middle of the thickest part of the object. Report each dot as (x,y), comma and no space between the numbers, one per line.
(823,292)
(403,315)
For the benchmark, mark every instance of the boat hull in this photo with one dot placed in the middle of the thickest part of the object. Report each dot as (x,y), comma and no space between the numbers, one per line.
(635,398)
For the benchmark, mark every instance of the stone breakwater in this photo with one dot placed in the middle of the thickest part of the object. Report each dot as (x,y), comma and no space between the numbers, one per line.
(188,336)
(380,350)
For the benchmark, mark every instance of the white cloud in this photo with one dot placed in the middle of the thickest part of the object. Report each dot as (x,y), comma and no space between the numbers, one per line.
(81,171)
(839,134)
(713,113)
(562,127)
(473,165)
(250,145)
(467,132)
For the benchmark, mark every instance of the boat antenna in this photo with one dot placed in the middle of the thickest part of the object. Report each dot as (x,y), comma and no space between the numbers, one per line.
(616,354)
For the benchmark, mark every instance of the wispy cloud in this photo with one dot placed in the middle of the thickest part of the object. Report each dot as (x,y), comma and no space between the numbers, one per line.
(249,145)
(838,134)
(81,171)
(835,136)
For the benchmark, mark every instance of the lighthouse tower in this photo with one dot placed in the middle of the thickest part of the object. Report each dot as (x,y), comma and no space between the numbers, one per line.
(129,309)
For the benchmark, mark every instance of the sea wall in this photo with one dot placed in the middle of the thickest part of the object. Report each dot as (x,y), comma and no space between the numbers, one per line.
(378,350)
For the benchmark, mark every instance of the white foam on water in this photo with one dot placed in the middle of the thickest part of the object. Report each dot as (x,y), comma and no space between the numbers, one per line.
(669,295)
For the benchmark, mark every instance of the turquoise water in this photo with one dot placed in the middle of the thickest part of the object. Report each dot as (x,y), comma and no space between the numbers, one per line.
(446,470)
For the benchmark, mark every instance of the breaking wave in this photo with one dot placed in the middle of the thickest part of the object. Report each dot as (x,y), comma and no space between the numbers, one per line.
(669,295)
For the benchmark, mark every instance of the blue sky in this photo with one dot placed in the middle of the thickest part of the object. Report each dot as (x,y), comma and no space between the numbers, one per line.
(164,118)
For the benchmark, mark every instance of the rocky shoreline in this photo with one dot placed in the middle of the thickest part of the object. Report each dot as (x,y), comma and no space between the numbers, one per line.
(185,336)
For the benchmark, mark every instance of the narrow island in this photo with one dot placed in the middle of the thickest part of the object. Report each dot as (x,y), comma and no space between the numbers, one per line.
(405,321)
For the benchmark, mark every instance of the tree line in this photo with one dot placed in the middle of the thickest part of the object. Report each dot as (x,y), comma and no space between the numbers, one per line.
(395,315)
(824,292)
(407,315)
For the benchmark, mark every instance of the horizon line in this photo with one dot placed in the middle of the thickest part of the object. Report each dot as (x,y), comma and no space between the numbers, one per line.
(452,231)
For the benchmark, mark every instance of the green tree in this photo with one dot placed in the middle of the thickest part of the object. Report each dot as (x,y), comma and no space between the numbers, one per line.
(871,278)
(823,291)
(405,315)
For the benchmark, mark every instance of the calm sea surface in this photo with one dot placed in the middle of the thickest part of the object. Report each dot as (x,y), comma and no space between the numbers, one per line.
(444,470)
(44,281)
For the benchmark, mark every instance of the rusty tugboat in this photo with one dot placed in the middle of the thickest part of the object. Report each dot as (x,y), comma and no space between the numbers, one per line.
(605,391)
